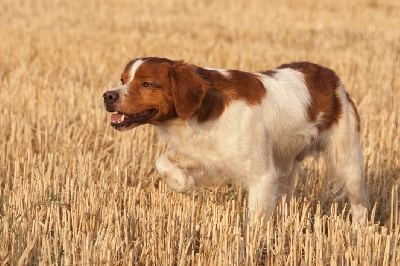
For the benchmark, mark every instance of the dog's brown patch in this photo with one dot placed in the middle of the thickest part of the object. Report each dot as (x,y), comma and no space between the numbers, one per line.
(323,85)
(224,89)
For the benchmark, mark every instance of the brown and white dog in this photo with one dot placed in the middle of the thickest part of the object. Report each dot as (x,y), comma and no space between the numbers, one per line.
(251,127)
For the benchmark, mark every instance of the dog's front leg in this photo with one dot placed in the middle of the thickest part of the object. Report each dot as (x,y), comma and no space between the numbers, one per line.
(177,171)
(263,194)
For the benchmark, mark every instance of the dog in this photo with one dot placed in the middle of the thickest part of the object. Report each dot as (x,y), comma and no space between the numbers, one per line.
(254,128)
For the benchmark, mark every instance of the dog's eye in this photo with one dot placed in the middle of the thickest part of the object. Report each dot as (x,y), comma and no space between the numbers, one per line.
(149,85)
(122,81)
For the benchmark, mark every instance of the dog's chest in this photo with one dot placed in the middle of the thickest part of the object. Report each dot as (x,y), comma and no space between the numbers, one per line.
(192,142)
(217,151)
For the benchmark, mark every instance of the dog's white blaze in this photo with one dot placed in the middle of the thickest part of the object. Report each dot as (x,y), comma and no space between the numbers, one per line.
(122,88)
(134,67)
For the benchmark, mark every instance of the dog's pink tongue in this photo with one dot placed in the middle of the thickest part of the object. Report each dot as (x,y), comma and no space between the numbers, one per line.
(115,117)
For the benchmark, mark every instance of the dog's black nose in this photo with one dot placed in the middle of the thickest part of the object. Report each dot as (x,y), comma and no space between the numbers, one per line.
(110,96)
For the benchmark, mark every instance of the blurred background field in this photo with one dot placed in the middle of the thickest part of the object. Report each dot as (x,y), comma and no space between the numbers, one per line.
(73,191)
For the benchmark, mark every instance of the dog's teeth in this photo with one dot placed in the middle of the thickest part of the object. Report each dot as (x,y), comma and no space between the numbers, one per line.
(122,118)
(114,113)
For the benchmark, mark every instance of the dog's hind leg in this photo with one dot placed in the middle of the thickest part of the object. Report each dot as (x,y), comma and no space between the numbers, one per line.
(346,159)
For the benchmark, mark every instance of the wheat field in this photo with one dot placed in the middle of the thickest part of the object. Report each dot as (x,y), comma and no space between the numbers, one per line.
(74,191)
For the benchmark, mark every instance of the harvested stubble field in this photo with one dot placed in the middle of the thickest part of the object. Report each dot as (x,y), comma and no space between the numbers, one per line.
(73,191)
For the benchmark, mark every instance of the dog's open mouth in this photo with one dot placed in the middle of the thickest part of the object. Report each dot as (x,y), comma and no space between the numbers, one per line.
(124,121)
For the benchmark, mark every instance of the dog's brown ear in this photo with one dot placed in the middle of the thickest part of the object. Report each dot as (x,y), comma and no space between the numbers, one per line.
(188,89)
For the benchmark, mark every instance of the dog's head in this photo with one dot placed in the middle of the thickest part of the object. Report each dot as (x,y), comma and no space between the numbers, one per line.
(154,89)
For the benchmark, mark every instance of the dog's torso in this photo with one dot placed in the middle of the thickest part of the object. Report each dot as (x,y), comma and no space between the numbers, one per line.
(229,145)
